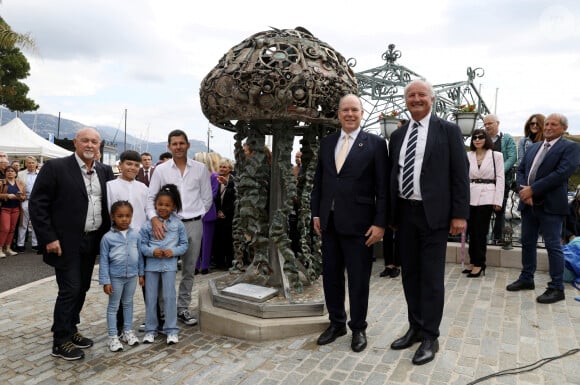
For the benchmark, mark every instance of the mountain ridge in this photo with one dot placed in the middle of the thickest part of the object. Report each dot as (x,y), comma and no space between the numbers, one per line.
(46,124)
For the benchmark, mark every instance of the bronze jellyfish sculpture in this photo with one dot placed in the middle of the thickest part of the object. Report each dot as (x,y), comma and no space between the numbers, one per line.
(284,83)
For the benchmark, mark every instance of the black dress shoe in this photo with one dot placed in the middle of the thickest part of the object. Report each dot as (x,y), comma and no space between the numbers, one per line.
(330,334)
(204,271)
(412,336)
(386,272)
(359,341)
(395,272)
(426,352)
(521,285)
(551,295)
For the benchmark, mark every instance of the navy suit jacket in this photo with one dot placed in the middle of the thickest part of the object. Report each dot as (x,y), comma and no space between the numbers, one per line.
(551,185)
(58,207)
(444,176)
(359,191)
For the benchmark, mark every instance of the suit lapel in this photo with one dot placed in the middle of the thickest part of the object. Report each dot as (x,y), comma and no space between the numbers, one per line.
(357,148)
(434,130)
(332,142)
(76,175)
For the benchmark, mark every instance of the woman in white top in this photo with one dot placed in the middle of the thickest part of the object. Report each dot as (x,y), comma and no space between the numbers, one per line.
(486,176)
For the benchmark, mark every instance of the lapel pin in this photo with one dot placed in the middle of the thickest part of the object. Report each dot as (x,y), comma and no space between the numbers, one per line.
(360,144)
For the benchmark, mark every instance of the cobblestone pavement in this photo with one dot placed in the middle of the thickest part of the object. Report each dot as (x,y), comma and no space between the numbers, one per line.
(485,329)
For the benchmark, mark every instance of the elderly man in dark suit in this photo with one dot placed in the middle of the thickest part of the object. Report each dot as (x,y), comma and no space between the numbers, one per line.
(542,179)
(429,198)
(68,209)
(349,203)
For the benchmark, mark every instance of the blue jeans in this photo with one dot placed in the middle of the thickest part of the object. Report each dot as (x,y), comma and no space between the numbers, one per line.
(169,301)
(123,292)
(534,221)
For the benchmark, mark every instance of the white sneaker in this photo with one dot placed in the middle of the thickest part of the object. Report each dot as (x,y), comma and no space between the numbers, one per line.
(172,339)
(115,344)
(130,338)
(2,255)
(149,338)
(9,252)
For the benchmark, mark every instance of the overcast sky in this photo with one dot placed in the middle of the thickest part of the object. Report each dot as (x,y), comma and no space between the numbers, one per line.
(97,58)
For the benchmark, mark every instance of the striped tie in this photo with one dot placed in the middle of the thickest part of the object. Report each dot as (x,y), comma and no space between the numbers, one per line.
(409,166)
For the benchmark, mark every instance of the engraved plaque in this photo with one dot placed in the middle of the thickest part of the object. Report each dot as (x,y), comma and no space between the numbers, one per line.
(251,292)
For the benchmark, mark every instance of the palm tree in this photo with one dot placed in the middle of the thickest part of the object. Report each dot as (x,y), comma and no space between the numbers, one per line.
(9,38)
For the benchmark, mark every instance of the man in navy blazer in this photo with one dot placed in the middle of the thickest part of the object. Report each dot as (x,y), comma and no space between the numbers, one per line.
(542,179)
(349,209)
(429,198)
(68,209)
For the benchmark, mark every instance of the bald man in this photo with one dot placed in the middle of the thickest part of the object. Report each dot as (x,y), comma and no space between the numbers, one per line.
(68,209)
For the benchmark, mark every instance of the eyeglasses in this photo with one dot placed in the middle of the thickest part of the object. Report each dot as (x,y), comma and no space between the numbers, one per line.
(534,124)
(478,137)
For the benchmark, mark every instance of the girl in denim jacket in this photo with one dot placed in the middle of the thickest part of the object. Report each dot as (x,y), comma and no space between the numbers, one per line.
(161,255)
(118,272)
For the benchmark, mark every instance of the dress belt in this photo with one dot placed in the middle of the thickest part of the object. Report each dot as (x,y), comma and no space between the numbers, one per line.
(192,219)
(484,181)
(412,202)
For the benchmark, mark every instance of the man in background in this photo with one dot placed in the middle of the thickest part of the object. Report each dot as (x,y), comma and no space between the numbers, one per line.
(542,180)
(505,144)
(145,172)
(28,178)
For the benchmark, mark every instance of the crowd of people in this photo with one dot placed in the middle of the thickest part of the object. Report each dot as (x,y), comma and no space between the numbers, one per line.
(411,194)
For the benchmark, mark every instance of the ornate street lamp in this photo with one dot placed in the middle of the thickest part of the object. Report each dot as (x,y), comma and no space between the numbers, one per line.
(466,121)
(466,118)
(388,125)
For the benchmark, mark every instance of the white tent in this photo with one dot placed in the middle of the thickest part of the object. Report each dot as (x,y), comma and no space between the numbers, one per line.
(16,139)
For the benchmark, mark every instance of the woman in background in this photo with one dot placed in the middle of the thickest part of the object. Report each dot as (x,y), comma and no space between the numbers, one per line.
(533,132)
(486,189)
(209,217)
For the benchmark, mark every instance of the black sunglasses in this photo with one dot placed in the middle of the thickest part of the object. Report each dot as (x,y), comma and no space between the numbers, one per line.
(478,137)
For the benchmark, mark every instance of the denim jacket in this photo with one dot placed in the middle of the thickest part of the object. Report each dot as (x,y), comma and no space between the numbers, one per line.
(175,239)
(119,255)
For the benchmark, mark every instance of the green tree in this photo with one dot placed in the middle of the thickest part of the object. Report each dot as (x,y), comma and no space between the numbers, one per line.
(13,68)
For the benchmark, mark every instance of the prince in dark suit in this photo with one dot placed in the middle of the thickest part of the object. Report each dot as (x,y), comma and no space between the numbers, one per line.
(349,203)
(542,179)
(429,198)
(68,209)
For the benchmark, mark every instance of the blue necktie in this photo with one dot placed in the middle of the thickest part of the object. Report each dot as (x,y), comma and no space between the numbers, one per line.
(409,165)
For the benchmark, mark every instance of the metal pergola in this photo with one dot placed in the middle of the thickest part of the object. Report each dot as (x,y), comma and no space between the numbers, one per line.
(382,91)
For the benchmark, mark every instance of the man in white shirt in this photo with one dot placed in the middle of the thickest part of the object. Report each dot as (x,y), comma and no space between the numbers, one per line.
(27,177)
(192,178)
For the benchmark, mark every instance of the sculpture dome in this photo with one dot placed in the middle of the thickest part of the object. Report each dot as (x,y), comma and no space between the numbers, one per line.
(277,75)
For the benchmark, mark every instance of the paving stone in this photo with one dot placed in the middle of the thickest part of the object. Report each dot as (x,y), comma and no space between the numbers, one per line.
(485,329)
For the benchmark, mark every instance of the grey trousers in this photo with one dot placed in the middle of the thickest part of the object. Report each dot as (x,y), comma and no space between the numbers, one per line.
(194,230)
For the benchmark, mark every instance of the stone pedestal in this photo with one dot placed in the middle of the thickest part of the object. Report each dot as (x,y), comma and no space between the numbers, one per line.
(230,323)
